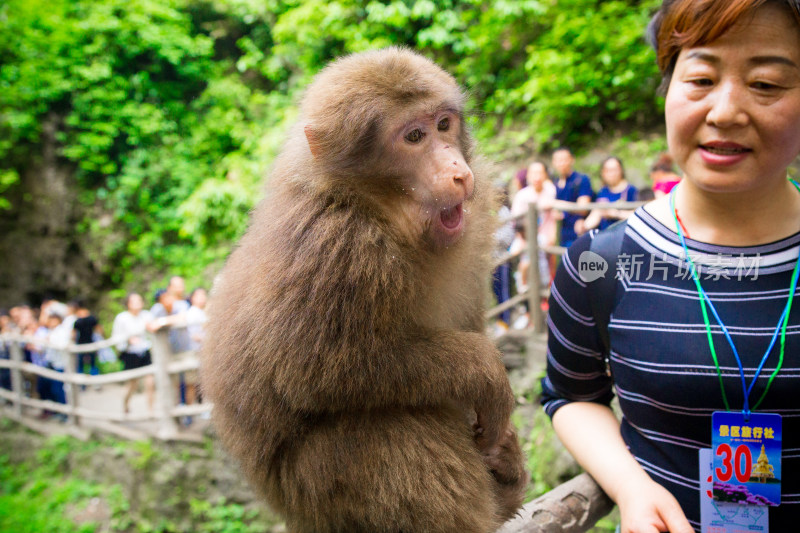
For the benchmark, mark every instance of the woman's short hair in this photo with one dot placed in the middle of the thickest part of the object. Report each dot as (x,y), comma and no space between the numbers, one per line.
(664,163)
(687,23)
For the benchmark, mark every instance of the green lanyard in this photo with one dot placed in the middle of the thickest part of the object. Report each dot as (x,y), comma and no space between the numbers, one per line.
(706,301)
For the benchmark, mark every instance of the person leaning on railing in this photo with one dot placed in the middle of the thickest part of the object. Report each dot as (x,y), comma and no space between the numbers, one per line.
(131,325)
(571,186)
(615,189)
(540,191)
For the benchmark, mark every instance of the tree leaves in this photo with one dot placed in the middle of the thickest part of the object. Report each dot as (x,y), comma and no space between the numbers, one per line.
(171,110)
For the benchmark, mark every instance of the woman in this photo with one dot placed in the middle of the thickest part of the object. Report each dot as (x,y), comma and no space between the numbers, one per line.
(540,191)
(196,317)
(131,325)
(615,189)
(663,176)
(732,72)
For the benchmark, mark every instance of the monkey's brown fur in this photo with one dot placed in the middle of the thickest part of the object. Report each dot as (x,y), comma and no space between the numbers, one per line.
(344,350)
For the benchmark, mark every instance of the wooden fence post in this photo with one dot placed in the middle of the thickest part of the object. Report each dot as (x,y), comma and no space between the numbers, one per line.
(167,427)
(15,351)
(534,273)
(71,389)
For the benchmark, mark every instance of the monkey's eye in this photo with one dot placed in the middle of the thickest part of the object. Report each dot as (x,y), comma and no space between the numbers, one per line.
(415,136)
(444,124)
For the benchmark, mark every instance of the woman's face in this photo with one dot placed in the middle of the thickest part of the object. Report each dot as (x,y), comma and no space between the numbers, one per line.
(199,298)
(733,106)
(611,172)
(537,175)
(135,303)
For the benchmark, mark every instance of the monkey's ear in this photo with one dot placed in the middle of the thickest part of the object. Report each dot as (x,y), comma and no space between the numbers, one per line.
(313,141)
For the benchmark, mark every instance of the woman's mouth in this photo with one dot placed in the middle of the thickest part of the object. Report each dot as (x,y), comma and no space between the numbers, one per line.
(723,153)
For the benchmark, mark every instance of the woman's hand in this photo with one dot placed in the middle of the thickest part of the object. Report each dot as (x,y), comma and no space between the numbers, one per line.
(591,433)
(647,507)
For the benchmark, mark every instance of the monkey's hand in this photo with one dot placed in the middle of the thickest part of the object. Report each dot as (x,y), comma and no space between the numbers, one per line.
(505,462)
(493,410)
(504,459)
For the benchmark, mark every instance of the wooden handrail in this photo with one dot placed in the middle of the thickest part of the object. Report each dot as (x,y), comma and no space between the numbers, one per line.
(162,367)
(572,507)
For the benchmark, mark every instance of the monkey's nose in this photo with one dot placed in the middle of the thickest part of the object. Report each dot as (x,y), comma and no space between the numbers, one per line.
(463,178)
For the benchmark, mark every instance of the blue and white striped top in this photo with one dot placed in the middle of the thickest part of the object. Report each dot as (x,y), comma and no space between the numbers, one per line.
(663,373)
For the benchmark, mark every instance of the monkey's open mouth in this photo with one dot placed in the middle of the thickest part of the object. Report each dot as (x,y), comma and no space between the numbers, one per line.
(452,216)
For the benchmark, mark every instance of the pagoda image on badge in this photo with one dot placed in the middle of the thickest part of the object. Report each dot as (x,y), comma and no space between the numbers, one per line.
(762,470)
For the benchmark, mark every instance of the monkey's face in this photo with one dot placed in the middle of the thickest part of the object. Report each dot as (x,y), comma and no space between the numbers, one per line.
(435,178)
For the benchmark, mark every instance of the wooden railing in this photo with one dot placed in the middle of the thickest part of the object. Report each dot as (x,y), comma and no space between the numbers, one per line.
(164,364)
(573,507)
(535,291)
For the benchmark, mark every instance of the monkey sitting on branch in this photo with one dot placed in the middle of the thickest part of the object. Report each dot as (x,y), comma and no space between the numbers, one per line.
(345,351)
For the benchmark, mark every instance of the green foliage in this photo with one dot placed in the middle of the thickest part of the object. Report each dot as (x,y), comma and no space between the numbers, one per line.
(169,112)
(536,437)
(588,68)
(8,178)
(224,517)
(36,497)
(49,493)
(110,367)
(40,505)
(542,450)
(145,455)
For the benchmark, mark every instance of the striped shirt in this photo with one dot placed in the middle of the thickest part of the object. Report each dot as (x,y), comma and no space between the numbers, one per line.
(663,372)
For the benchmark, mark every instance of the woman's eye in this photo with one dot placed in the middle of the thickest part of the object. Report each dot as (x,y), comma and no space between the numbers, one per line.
(444,124)
(414,136)
(701,82)
(764,86)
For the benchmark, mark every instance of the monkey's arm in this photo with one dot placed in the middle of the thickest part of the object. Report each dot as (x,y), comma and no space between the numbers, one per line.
(428,368)
(345,326)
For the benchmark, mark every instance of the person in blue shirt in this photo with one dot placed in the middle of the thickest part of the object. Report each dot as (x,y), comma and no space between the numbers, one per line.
(616,189)
(571,186)
(705,280)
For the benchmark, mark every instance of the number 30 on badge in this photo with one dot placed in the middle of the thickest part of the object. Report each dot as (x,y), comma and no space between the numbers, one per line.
(747,457)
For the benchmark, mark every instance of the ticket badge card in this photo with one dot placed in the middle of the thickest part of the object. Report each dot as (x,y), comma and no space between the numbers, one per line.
(747,458)
(723,517)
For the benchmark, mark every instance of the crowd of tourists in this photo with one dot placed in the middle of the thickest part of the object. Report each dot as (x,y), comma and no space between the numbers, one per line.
(54,326)
(537,184)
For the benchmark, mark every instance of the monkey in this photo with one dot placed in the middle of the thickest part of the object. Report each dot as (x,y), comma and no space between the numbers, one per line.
(345,350)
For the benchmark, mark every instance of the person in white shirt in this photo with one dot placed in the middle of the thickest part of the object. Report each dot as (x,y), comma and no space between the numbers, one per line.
(130,327)
(540,191)
(196,317)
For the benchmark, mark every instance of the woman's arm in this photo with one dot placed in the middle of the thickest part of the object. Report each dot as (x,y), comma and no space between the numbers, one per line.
(590,432)
(593,220)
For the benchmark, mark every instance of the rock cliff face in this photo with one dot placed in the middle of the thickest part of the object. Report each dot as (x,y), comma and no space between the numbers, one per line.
(42,252)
